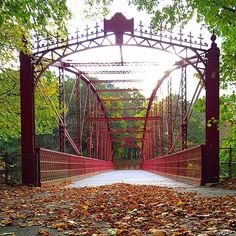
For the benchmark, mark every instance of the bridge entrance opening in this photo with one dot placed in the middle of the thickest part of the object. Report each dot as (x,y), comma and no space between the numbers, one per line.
(110,120)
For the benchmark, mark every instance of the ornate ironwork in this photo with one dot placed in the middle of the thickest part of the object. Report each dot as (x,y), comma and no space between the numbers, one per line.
(62,109)
(48,51)
(93,119)
(184,124)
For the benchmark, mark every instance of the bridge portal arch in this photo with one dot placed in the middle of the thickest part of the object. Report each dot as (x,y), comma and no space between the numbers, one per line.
(118,31)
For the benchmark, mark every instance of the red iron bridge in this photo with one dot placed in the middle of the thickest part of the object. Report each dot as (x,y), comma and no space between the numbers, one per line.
(156,129)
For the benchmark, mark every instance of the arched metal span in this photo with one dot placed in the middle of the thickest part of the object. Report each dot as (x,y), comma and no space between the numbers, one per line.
(120,31)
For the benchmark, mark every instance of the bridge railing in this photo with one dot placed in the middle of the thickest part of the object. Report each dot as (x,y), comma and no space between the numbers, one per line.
(186,166)
(55,166)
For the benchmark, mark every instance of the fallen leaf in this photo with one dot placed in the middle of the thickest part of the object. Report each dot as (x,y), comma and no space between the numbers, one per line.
(6,222)
(44,232)
(157,232)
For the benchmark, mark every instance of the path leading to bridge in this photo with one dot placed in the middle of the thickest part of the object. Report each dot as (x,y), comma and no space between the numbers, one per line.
(128,176)
(116,209)
(142,177)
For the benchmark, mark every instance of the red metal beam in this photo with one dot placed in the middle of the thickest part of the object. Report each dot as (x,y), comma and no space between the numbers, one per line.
(106,64)
(118,90)
(126,109)
(113,72)
(61,98)
(126,129)
(212,112)
(124,99)
(123,118)
(115,81)
(127,139)
(124,132)
(30,175)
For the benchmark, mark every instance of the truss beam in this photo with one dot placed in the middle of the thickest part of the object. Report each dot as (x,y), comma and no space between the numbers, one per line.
(108,64)
(126,139)
(97,72)
(127,109)
(123,99)
(61,98)
(118,90)
(115,81)
(124,132)
(123,118)
(184,125)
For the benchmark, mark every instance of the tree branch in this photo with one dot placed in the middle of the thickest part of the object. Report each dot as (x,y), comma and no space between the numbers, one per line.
(229,9)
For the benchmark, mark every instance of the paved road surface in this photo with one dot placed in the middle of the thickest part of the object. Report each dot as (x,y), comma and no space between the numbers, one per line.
(127,176)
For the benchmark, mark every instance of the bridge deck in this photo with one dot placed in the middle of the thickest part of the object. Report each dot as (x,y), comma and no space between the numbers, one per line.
(127,176)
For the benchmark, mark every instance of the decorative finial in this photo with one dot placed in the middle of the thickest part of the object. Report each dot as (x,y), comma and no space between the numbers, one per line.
(213,37)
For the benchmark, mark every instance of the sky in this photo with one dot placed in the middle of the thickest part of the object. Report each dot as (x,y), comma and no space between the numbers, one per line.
(152,74)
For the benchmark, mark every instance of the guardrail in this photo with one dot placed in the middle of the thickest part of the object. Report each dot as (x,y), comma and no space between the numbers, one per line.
(185,166)
(56,166)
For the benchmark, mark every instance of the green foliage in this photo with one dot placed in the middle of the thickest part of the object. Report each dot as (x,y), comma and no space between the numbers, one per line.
(10,109)
(228,120)
(95,8)
(228,162)
(9,101)
(219,16)
(20,19)
(45,109)
(227,123)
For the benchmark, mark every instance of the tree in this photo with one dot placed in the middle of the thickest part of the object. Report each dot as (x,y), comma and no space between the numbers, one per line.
(21,19)
(219,16)
(10,108)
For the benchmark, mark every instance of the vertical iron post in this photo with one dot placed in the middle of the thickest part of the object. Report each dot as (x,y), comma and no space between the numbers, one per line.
(95,126)
(156,132)
(169,116)
(153,134)
(78,111)
(184,127)
(89,122)
(61,99)
(29,158)
(161,130)
(212,112)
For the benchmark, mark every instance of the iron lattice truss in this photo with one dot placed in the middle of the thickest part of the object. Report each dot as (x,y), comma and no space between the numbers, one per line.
(89,120)
(53,51)
(111,64)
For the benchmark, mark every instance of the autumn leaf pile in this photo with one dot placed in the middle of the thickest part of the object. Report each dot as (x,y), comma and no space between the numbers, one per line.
(118,209)
(229,184)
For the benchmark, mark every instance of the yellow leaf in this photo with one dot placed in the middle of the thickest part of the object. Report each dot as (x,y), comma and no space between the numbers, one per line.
(85,207)
(44,232)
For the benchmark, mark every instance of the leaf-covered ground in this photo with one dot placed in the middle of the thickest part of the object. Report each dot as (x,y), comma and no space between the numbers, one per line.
(118,209)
